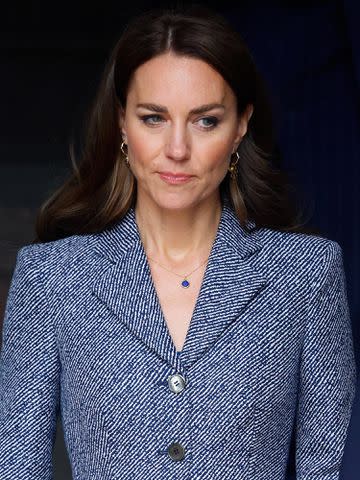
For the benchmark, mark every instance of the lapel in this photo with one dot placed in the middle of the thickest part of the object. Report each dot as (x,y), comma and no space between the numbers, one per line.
(125,285)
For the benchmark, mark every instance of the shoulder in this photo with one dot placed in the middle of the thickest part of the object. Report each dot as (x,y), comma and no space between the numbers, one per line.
(307,255)
(52,261)
(54,253)
(293,241)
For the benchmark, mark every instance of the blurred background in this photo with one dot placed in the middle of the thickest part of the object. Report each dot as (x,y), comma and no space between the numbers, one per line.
(309,54)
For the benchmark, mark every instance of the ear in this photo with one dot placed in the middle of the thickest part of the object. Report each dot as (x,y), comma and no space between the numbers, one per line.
(121,117)
(243,124)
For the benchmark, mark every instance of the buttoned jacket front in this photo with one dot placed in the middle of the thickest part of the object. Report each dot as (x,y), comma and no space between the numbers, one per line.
(269,349)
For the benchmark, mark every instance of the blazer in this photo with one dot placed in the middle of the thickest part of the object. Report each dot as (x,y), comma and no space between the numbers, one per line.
(269,348)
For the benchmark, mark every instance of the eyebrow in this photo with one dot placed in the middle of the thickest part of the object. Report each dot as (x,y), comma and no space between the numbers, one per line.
(160,109)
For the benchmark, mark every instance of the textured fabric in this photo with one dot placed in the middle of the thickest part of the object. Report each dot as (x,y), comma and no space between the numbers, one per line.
(269,346)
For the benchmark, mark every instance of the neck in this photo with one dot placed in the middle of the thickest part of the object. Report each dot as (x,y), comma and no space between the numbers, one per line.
(177,236)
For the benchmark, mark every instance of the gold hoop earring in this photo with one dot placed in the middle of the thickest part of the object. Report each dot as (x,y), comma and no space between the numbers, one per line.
(233,169)
(125,154)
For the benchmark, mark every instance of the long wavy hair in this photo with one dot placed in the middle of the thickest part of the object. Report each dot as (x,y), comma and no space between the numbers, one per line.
(101,188)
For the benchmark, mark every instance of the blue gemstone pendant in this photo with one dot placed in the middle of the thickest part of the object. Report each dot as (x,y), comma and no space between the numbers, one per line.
(185,284)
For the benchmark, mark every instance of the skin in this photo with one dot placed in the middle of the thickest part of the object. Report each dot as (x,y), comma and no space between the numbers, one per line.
(178,223)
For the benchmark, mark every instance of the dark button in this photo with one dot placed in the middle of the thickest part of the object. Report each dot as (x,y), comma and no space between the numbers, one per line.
(176,383)
(176,451)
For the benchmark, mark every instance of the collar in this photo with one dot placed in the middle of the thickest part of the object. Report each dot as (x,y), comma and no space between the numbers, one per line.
(229,285)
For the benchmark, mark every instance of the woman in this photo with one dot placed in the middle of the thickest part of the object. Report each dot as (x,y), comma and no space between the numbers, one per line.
(172,309)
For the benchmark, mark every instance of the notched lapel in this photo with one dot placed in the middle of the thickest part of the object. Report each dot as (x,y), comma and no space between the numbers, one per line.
(128,291)
(230,283)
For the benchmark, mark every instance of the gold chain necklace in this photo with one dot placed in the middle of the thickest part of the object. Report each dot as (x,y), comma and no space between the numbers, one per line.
(185,282)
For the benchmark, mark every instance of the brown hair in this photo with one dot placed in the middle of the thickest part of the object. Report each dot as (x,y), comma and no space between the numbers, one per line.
(101,188)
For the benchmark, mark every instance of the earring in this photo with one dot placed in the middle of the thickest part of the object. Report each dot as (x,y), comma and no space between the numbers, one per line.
(125,154)
(233,169)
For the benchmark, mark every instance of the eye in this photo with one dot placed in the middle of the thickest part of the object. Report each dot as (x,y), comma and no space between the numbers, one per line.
(151,120)
(214,121)
(145,119)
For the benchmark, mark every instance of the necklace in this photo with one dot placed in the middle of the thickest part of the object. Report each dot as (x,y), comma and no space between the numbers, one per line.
(185,282)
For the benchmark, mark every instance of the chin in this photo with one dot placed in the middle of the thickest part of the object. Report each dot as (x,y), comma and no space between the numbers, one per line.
(175,203)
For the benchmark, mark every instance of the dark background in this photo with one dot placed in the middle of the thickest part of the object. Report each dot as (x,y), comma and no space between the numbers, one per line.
(309,53)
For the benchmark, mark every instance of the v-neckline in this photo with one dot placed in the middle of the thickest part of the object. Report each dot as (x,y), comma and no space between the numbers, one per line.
(202,286)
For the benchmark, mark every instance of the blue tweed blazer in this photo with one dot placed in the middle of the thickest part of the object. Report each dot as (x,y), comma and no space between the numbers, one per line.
(269,349)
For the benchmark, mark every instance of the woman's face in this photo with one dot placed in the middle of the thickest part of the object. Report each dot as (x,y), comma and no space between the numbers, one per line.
(166,136)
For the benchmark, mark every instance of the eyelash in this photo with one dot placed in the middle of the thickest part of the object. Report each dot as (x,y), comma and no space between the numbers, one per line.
(215,120)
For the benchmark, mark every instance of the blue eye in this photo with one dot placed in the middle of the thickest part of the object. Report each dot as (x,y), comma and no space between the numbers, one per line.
(145,119)
(214,121)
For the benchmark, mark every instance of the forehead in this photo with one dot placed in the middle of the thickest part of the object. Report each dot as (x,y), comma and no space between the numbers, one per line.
(172,78)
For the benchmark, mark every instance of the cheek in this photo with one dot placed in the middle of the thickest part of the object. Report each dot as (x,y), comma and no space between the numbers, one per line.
(144,148)
(216,158)
(210,155)
(141,153)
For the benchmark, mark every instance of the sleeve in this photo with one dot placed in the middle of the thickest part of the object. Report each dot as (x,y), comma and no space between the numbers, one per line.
(327,375)
(29,377)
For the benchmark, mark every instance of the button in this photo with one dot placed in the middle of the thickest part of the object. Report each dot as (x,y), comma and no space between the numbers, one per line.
(176,383)
(176,451)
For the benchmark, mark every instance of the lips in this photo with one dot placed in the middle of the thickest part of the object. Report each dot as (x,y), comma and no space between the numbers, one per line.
(174,179)
(175,175)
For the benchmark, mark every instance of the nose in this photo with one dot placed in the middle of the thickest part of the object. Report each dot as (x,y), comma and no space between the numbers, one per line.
(177,143)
